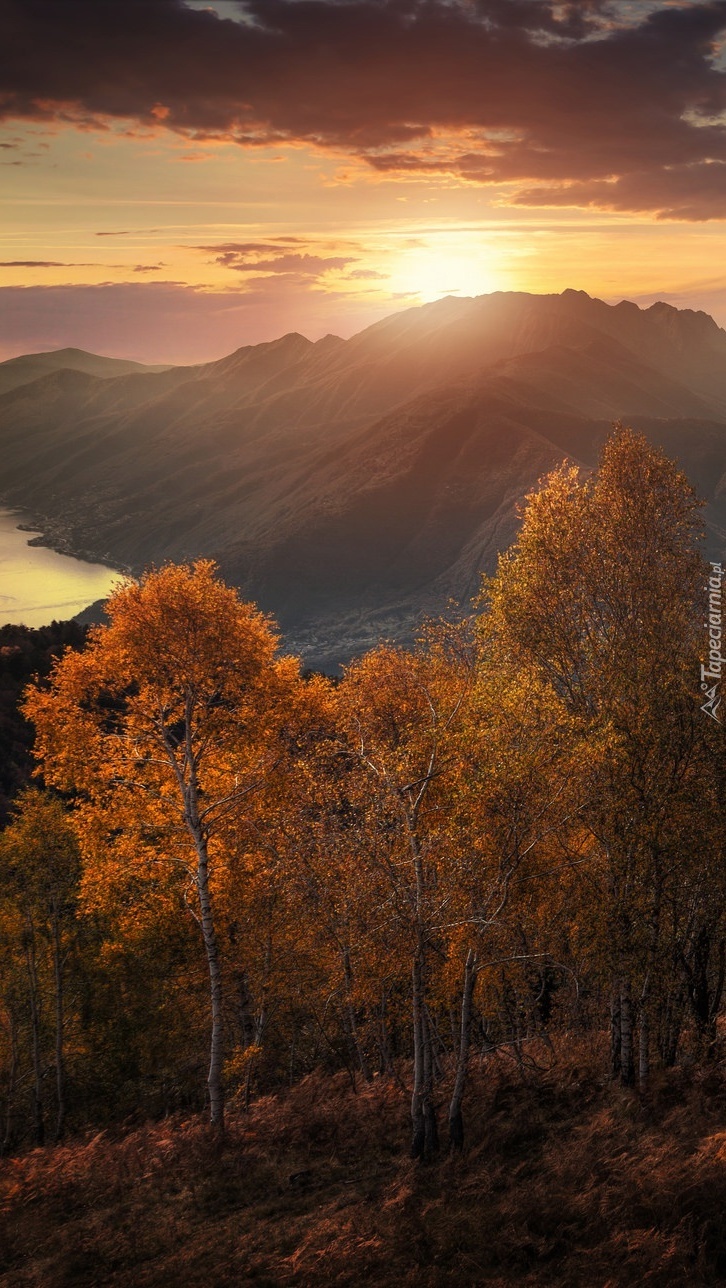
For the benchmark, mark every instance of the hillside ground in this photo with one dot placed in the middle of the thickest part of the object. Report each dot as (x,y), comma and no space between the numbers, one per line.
(566,1180)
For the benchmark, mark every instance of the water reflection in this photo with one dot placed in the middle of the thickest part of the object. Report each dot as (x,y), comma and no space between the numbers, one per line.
(38,585)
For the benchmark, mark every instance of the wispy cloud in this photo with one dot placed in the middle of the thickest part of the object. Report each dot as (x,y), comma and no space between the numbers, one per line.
(41,263)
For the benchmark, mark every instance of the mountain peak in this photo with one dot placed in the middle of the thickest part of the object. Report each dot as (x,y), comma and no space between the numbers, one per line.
(292,339)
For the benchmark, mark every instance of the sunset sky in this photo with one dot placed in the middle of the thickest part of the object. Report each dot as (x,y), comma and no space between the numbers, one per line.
(183,177)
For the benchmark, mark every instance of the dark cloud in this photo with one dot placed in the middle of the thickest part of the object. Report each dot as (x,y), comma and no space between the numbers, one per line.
(693,192)
(548,93)
(148,268)
(41,263)
(277,257)
(301,265)
(231,251)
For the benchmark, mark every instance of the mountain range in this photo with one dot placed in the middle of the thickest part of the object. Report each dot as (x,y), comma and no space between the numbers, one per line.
(351,486)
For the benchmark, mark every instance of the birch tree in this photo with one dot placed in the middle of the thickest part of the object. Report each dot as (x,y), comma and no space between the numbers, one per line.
(402,711)
(603,593)
(173,718)
(523,777)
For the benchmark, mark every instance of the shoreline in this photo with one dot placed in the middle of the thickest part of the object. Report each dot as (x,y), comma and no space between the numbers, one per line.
(44,579)
(51,534)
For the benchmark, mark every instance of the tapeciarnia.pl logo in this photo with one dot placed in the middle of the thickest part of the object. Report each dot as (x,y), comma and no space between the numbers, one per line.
(711,672)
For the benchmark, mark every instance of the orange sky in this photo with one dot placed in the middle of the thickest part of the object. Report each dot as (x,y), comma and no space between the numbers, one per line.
(181,179)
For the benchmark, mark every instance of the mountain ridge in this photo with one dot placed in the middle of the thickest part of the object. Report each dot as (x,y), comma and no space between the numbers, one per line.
(351,485)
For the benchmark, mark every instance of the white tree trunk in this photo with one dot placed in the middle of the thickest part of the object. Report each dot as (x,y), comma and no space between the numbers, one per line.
(627,1067)
(644,1048)
(34,998)
(418,1138)
(456,1121)
(216,1053)
(59,1026)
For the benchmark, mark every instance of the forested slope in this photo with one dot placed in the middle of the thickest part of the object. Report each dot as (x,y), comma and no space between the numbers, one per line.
(416,976)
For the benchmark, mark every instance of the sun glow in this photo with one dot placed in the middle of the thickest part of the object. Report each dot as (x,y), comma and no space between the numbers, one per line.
(431,272)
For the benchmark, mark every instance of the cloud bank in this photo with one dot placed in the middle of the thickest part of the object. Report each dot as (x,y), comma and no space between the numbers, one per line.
(598,104)
(169,321)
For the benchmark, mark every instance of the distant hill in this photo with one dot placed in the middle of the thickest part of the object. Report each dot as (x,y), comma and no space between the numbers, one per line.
(351,485)
(31,366)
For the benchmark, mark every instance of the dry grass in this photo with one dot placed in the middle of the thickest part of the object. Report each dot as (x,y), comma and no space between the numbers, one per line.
(566,1181)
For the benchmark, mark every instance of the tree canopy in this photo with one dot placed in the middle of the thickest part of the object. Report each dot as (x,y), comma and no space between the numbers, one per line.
(511,830)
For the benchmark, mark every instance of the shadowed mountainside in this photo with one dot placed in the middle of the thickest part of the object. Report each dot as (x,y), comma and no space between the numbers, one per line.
(350,486)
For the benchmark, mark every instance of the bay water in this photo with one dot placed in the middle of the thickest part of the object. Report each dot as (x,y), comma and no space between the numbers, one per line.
(38,585)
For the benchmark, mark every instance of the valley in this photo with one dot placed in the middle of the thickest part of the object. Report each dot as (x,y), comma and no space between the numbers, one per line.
(351,487)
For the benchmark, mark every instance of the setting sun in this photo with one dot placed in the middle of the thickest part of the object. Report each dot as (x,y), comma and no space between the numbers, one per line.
(446,268)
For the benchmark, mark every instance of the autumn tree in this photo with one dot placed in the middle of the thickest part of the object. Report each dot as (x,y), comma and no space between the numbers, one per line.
(401,711)
(603,594)
(172,720)
(348,949)
(522,779)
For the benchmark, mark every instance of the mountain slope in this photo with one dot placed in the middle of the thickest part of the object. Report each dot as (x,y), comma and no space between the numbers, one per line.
(351,485)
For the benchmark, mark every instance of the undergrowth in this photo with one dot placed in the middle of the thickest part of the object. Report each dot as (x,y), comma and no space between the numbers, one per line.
(565,1180)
